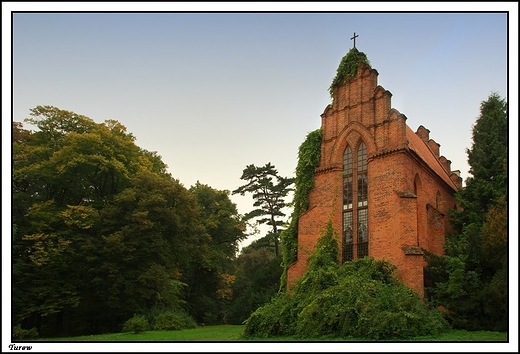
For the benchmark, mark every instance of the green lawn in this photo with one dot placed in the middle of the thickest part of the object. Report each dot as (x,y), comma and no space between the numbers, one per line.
(207,333)
(233,333)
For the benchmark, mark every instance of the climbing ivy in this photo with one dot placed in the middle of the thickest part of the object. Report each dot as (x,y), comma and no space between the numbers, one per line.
(327,249)
(347,68)
(309,155)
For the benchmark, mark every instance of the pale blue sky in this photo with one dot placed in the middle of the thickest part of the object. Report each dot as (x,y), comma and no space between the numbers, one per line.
(214,92)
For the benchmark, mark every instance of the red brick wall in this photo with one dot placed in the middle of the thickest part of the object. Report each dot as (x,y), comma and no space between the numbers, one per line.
(408,200)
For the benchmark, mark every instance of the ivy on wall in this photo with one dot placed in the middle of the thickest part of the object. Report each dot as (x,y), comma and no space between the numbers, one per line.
(309,155)
(347,68)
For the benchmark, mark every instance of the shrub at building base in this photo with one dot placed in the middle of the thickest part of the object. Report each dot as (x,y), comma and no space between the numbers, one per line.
(361,298)
(360,304)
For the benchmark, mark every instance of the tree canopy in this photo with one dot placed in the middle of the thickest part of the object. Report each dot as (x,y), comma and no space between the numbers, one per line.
(101,230)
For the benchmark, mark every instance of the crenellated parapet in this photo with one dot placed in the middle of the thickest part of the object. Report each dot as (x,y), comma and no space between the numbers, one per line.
(434,147)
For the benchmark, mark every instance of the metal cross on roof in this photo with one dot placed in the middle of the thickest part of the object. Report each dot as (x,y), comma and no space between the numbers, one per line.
(354,38)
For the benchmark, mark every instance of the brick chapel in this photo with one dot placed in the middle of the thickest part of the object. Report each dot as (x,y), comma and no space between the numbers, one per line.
(386,187)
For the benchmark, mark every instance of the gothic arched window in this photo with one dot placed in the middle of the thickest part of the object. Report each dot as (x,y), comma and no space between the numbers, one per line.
(355,215)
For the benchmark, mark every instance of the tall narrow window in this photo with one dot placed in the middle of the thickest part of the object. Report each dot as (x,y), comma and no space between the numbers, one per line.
(355,203)
(348,240)
(348,197)
(362,175)
(362,197)
(362,246)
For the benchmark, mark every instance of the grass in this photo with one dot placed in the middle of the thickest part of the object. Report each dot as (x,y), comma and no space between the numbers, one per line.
(207,333)
(230,333)
(466,336)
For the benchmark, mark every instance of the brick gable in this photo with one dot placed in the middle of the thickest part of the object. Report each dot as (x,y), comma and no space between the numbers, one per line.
(410,187)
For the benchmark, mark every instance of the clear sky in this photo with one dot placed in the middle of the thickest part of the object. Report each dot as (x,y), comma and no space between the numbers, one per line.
(214,92)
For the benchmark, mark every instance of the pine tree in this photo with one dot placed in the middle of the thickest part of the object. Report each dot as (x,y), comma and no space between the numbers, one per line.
(269,191)
(470,277)
(488,163)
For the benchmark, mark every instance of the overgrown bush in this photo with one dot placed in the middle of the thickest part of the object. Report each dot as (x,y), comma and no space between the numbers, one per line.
(20,333)
(274,319)
(394,311)
(362,298)
(174,320)
(136,324)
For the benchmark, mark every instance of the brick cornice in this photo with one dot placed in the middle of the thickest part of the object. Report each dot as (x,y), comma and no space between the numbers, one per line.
(329,168)
(412,154)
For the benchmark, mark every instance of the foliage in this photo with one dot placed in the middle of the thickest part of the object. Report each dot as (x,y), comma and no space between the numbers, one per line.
(136,324)
(351,302)
(101,231)
(495,264)
(309,154)
(362,298)
(272,319)
(19,333)
(368,309)
(174,320)
(488,163)
(347,68)
(258,272)
(211,275)
(220,219)
(494,234)
(326,253)
(470,280)
(141,236)
(269,191)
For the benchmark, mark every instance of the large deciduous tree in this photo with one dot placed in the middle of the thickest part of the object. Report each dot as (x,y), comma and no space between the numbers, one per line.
(100,229)
(211,275)
(269,191)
